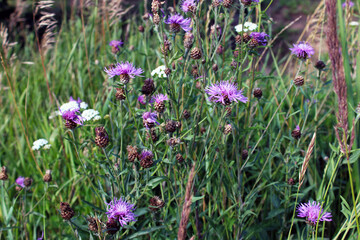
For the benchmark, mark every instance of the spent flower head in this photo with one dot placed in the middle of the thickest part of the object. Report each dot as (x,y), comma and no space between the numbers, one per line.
(121,210)
(313,213)
(177,20)
(225,92)
(302,50)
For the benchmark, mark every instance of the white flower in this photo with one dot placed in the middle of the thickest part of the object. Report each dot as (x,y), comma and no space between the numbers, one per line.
(41,143)
(83,105)
(354,23)
(160,71)
(70,106)
(54,114)
(248,26)
(90,114)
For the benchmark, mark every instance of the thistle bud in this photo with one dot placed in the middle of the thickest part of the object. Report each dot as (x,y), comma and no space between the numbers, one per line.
(93,224)
(244,154)
(195,53)
(170,126)
(156,19)
(179,158)
(215,67)
(28,182)
(132,153)
(156,203)
(188,40)
(257,93)
(149,87)
(102,137)
(320,65)
(112,226)
(47,177)
(66,211)
(3,174)
(299,81)
(120,94)
(227,129)
(141,29)
(296,133)
(186,114)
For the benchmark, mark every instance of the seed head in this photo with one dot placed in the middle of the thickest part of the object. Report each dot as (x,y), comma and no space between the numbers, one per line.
(3,174)
(257,93)
(195,53)
(66,211)
(132,153)
(291,181)
(156,19)
(170,126)
(101,138)
(188,40)
(299,81)
(149,87)
(47,177)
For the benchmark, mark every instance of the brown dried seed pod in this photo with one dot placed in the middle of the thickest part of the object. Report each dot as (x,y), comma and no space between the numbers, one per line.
(198,85)
(156,203)
(170,126)
(186,114)
(120,94)
(28,182)
(220,50)
(146,160)
(3,174)
(299,81)
(167,71)
(155,6)
(149,87)
(195,53)
(102,137)
(257,93)
(246,2)
(179,158)
(47,177)
(296,133)
(228,3)
(227,129)
(156,19)
(215,3)
(159,106)
(66,211)
(172,142)
(132,153)
(238,39)
(188,40)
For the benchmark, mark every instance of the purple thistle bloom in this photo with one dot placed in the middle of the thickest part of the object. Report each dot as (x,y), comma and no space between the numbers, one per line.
(351,4)
(73,100)
(186,4)
(72,116)
(260,37)
(302,50)
(312,212)
(142,99)
(225,92)
(124,69)
(159,98)
(149,119)
(121,210)
(146,154)
(178,20)
(20,181)
(297,127)
(116,43)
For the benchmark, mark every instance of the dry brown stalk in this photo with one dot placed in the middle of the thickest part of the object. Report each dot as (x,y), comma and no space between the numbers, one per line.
(340,87)
(187,205)
(306,160)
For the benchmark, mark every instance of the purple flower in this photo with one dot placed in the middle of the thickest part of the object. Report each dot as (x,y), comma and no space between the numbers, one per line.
(73,100)
(159,98)
(302,50)
(312,212)
(260,37)
(20,181)
(115,44)
(121,210)
(297,127)
(72,116)
(225,92)
(146,154)
(188,5)
(42,236)
(127,69)
(142,99)
(351,4)
(176,21)
(149,119)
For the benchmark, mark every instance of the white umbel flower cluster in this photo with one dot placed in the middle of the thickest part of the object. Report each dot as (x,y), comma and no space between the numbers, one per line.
(90,114)
(248,26)
(41,144)
(160,71)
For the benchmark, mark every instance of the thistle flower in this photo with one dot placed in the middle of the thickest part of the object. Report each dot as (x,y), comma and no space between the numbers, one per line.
(149,119)
(115,44)
(20,181)
(260,37)
(124,70)
(248,26)
(351,4)
(159,98)
(188,5)
(41,143)
(142,99)
(225,92)
(313,213)
(121,210)
(302,50)
(72,116)
(249,2)
(177,21)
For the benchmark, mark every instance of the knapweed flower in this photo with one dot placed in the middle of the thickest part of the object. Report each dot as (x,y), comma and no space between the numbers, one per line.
(115,44)
(188,5)
(259,37)
(142,99)
(248,26)
(313,213)
(351,4)
(72,116)
(41,143)
(225,93)
(177,21)
(121,210)
(149,119)
(146,159)
(159,71)
(124,70)
(302,50)
(90,114)
(249,2)
(20,181)
(159,104)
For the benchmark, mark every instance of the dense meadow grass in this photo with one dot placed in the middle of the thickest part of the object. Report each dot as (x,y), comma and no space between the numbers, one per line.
(240,145)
